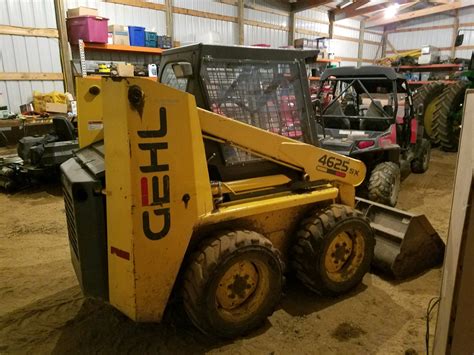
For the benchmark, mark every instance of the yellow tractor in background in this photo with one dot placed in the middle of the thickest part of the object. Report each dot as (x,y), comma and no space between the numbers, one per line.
(166,198)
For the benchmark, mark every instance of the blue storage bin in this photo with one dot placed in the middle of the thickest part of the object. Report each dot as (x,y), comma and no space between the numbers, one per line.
(137,36)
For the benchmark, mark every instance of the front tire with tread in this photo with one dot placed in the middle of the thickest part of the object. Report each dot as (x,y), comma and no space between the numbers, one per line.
(211,263)
(312,249)
(384,183)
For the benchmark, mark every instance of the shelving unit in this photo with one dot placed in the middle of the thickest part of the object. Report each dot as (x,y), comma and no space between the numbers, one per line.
(122,48)
(430,67)
(423,82)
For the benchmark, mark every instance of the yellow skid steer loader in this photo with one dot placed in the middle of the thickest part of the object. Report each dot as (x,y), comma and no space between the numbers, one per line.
(165,197)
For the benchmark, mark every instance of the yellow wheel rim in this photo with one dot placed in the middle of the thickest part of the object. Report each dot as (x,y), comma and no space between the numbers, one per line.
(236,286)
(428,117)
(344,255)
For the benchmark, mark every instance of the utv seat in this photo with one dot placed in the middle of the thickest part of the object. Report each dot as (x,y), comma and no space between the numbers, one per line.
(338,122)
(351,110)
(375,110)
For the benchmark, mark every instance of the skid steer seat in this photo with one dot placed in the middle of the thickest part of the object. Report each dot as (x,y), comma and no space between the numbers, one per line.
(339,121)
(375,110)
(63,129)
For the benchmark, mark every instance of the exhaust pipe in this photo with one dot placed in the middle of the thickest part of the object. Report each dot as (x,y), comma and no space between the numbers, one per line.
(406,243)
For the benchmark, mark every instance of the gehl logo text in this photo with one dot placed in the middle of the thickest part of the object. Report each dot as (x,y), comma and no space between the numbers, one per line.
(157,170)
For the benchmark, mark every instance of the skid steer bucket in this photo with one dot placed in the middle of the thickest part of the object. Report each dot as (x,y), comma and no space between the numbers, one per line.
(406,243)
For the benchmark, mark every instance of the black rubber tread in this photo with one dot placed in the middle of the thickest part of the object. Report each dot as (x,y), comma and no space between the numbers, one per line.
(417,163)
(446,105)
(381,182)
(313,236)
(205,265)
(424,95)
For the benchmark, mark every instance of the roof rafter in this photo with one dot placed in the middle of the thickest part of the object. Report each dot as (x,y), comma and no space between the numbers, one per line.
(302,5)
(420,13)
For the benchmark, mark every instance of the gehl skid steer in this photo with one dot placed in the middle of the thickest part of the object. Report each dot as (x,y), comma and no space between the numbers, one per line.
(172,199)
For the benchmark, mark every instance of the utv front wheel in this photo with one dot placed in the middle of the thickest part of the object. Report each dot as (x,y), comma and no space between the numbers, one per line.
(333,250)
(422,160)
(233,283)
(384,183)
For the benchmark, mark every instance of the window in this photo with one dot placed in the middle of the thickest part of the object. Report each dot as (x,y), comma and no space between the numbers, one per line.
(169,78)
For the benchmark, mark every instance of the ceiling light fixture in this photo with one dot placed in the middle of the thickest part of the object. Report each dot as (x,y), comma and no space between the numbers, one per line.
(391,11)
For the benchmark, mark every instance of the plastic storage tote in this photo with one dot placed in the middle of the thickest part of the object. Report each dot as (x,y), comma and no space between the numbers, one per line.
(150,39)
(87,28)
(137,36)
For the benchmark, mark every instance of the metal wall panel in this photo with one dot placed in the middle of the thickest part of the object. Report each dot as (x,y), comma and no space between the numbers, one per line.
(466,15)
(26,53)
(271,18)
(370,51)
(343,48)
(152,20)
(346,32)
(413,40)
(321,28)
(189,29)
(369,36)
(320,15)
(428,21)
(259,35)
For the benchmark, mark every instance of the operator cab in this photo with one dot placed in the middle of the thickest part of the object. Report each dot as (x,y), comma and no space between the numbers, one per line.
(263,87)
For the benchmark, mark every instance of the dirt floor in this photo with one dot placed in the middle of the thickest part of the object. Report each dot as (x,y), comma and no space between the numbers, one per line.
(42,310)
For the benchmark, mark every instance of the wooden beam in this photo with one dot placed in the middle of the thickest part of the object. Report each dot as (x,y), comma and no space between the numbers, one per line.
(169,19)
(345,12)
(455,33)
(331,25)
(302,5)
(360,49)
(64,50)
(240,21)
(30,76)
(291,29)
(28,31)
(138,3)
(421,13)
(364,10)
(209,15)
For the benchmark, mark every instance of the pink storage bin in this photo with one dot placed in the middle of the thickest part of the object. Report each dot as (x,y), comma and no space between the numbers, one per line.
(87,28)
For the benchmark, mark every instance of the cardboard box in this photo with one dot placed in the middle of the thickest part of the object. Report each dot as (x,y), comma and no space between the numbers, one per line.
(82,11)
(306,43)
(124,69)
(119,34)
(56,108)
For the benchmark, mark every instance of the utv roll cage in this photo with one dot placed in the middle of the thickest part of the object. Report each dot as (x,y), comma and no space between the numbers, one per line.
(368,80)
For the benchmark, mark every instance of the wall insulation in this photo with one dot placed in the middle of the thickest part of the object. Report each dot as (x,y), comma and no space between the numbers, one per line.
(28,53)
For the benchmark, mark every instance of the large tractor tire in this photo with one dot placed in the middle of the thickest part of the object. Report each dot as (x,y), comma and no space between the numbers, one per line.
(384,183)
(421,162)
(448,116)
(333,250)
(233,283)
(428,96)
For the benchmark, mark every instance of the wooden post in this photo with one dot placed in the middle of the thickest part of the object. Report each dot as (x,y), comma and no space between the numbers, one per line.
(360,51)
(384,43)
(169,18)
(291,28)
(455,33)
(64,50)
(331,24)
(240,21)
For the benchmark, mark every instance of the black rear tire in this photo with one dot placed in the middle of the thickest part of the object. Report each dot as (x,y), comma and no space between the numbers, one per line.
(322,261)
(384,183)
(450,102)
(421,162)
(233,283)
